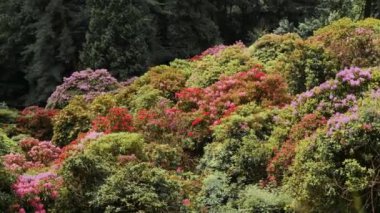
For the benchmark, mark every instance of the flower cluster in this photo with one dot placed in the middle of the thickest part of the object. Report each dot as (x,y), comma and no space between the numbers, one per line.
(37,122)
(45,152)
(224,95)
(18,163)
(354,76)
(210,51)
(36,191)
(118,119)
(88,82)
(339,120)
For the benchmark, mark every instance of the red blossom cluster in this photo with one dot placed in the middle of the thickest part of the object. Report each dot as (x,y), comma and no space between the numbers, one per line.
(222,97)
(118,119)
(37,122)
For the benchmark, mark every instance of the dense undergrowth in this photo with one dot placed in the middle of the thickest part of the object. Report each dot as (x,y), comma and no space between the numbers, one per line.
(285,125)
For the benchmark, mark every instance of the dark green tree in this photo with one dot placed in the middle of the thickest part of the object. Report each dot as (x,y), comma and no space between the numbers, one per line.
(58,31)
(119,36)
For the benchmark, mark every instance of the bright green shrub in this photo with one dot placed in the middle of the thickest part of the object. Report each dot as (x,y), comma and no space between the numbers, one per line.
(6,145)
(102,104)
(255,199)
(146,97)
(303,64)
(8,116)
(163,155)
(138,188)
(72,120)
(167,79)
(353,43)
(271,46)
(335,170)
(209,69)
(110,147)
(6,194)
(82,175)
(240,148)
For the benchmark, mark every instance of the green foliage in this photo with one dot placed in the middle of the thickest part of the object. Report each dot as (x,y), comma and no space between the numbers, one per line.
(353,43)
(209,69)
(8,116)
(6,194)
(111,146)
(255,199)
(6,145)
(336,168)
(240,148)
(82,175)
(215,191)
(138,188)
(163,155)
(102,104)
(303,64)
(118,37)
(72,120)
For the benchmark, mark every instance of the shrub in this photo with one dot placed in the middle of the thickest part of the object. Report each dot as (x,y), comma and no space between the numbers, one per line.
(117,120)
(209,68)
(138,188)
(37,122)
(44,152)
(82,176)
(36,192)
(255,199)
(6,145)
(72,120)
(353,43)
(102,104)
(86,82)
(337,165)
(303,64)
(8,116)
(163,155)
(111,146)
(6,193)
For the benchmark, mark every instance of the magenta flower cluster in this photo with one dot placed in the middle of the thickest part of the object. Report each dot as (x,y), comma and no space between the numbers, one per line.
(88,82)
(35,190)
(339,120)
(354,76)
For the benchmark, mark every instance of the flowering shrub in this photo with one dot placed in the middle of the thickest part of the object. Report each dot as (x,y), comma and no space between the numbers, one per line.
(284,157)
(28,143)
(44,153)
(211,51)
(210,68)
(17,163)
(36,192)
(341,158)
(117,120)
(229,92)
(334,95)
(37,122)
(89,83)
(353,43)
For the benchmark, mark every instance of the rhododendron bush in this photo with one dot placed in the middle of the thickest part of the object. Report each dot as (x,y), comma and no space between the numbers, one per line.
(89,83)
(288,124)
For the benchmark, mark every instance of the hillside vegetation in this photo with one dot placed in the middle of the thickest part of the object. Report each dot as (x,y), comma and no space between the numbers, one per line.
(288,124)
